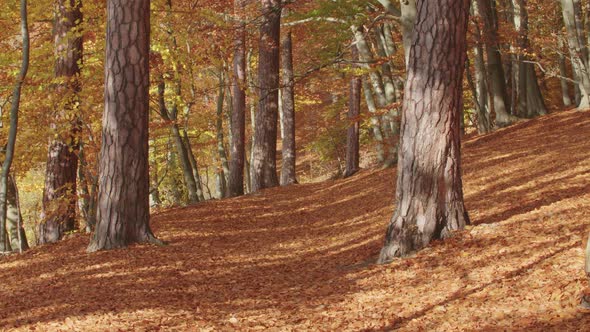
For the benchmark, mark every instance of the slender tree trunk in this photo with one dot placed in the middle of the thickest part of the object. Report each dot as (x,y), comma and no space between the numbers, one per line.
(88,191)
(16,231)
(408,20)
(366,57)
(171,116)
(354,111)
(59,195)
(481,81)
(495,69)
(289,151)
(13,127)
(194,166)
(429,194)
(224,171)
(238,116)
(577,42)
(264,169)
(530,101)
(123,198)
(565,91)
(375,125)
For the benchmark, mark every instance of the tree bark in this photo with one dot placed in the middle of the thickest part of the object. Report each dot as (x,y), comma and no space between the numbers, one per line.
(123,198)
(289,151)
(13,126)
(354,111)
(264,164)
(238,116)
(59,194)
(429,194)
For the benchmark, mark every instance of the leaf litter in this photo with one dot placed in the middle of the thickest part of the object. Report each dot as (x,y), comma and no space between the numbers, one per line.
(301,257)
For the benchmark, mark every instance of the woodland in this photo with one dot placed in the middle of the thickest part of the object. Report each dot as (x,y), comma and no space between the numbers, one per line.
(294,165)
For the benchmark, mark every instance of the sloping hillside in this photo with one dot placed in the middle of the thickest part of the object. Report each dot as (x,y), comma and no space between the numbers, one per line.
(300,258)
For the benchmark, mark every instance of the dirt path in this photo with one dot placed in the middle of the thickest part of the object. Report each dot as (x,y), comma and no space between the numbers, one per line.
(300,258)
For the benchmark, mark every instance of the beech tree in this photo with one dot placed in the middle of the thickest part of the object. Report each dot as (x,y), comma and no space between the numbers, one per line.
(495,70)
(288,175)
(354,110)
(238,116)
(578,47)
(11,142)
(429,193)
(123,199)
(263,164)
(59,195)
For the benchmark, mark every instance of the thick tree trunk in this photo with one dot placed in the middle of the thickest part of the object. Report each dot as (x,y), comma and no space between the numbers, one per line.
(429,194)
(123,198)
(59,195)
(354,111)
(289,151)
(495,69)
(238,116)
(264,164)
(577,42)
(13,127)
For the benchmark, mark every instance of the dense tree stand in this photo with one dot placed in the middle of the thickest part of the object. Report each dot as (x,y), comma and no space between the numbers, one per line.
(429,194)
(123,198)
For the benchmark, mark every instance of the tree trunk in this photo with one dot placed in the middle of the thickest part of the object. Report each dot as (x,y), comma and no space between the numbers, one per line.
(481,81)
(375,125)
(171,116)
(123,198)
(16,231)
(238,116)
(194,166)
(576,37)
(264,164)
(366,57)
(565,91)
(408,19)
(60,195)
(224,171)
(495,70)
(88,191)
(354,111)
(13,127)
(429,194)
(529,98)
(289,151)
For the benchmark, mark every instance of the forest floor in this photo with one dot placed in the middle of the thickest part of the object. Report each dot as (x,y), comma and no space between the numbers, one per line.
(301,257)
